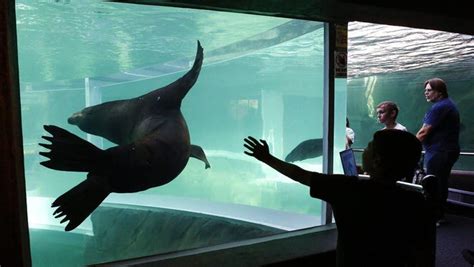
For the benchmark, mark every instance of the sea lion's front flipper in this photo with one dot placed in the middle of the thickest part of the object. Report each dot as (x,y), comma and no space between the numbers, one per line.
(69,152)
(79,202)
(198,153)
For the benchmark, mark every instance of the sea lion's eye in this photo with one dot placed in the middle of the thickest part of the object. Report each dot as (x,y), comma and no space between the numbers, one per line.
(158,98)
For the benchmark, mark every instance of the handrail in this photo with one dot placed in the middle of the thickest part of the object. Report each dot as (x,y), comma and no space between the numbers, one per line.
(462,153)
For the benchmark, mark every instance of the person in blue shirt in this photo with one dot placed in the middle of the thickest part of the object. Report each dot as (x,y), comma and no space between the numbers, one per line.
(440,137)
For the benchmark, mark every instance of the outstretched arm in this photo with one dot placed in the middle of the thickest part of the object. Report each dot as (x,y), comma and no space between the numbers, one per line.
(260,151)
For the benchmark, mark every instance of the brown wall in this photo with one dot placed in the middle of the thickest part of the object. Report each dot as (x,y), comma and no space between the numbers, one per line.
(14,242)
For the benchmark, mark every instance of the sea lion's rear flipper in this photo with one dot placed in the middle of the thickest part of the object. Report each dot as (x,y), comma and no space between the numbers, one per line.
(79,202)
(198,153)
(69,152)
(174,92)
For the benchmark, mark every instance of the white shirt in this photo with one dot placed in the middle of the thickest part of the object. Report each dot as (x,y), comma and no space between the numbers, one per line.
(350,133)
(398,126)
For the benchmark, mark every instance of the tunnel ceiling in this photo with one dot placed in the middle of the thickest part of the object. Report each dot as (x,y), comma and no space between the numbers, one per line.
(451,17)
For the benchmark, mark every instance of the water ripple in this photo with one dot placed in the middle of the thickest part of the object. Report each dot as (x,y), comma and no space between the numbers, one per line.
(376,49)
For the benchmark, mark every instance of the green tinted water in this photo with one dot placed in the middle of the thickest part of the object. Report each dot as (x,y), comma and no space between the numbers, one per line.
(261,76)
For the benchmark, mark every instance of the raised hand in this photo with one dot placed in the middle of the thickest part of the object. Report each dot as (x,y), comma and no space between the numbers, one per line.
(258,149)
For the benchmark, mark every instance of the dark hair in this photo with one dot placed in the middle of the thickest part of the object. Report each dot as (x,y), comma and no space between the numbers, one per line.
(347,122)
(397,152)
(391,105)
(438,85)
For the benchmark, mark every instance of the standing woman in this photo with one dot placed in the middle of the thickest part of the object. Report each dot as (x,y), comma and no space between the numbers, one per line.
(440,137)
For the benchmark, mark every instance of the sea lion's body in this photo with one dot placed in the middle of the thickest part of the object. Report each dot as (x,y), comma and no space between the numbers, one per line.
(153,146)
(310,148)
(156,146)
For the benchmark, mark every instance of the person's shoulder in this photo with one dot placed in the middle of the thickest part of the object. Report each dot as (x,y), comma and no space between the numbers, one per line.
(402,127)
(447,101)
(441,105)
(331,187)
(445,104)
(339,180)
(451,103)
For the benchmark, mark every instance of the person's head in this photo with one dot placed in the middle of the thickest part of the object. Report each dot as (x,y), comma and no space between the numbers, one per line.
(392,155)
(435,89)
(347,122)
(387,112)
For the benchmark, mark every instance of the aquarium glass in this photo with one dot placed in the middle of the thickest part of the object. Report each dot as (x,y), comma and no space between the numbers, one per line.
(261,76)
(392,63)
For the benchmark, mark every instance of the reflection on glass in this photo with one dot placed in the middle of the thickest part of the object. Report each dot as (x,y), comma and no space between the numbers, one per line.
(261,76)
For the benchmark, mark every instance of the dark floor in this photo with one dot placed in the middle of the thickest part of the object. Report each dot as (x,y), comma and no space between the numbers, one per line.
(454,236)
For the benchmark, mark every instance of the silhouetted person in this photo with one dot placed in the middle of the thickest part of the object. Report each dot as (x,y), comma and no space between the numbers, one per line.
(440,137)
(379,223)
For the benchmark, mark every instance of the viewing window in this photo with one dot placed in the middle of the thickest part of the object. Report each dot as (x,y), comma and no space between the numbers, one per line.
(261,76)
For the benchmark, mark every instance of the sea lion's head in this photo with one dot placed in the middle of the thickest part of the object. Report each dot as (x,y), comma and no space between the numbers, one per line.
(92,119)
(76,118)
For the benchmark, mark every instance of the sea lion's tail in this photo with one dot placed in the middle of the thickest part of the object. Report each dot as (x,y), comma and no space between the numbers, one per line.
(178,89)
(69,152)
(79,202)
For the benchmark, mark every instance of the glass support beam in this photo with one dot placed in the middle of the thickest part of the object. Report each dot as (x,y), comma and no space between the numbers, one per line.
(328,113)
(93,96)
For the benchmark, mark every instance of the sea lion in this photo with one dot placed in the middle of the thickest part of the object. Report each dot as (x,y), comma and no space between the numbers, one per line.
(153,147)
(310,148)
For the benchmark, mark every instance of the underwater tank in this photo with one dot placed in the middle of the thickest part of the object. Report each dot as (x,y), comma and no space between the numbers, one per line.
(261,76)
(392,63)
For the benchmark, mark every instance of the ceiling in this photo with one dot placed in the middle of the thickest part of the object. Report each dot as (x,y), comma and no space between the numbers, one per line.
(452,16)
